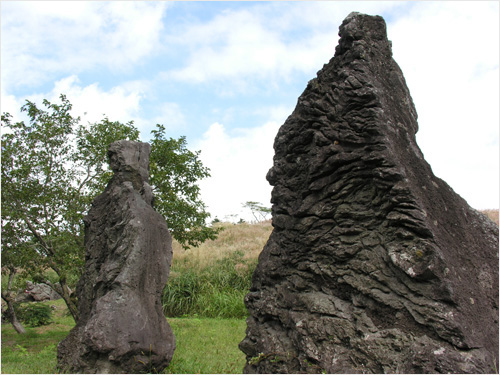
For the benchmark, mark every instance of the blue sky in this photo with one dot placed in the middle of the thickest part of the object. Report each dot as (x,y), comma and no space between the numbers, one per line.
(227,75)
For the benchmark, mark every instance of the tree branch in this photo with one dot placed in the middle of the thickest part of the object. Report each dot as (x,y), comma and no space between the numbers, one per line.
(39,237)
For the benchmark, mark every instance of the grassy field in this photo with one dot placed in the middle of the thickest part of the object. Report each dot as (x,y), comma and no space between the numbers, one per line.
(245,238)
(204,346)
(207,346)
(35,352)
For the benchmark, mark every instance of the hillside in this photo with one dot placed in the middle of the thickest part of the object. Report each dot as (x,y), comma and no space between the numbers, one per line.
(245,238)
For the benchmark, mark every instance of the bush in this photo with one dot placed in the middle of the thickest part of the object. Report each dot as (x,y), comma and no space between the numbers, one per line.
(34,314)
(215,291)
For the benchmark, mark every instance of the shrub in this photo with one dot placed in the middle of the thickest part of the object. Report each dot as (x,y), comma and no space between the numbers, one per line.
(34,314)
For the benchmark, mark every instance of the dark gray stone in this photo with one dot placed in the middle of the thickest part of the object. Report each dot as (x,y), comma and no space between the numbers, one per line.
(374,264)
(122,328)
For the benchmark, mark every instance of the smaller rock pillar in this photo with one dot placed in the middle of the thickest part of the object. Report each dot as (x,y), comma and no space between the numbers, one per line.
(128,253)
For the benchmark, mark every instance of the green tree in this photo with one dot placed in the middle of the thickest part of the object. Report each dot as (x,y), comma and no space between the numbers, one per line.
(38,191)
(174,173)
(52,169)
(91,154)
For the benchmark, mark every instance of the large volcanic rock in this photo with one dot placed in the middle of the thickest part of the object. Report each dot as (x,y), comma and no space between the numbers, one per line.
(374,264)
(122,328)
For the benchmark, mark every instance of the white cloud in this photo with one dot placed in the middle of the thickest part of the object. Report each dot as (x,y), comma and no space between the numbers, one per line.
(169,115)
(232,45)
(448,52)
(50,38)
(451,72)
(10,104)
(275,113)
(91,102)
(256,43)
(239,163)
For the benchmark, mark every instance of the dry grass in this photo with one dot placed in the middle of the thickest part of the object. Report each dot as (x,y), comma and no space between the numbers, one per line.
(212,280)
(492,214)
(248,239)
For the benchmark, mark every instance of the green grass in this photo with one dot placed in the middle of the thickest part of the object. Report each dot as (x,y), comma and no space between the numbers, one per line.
(35,352)
(210,291)
(25,357)
(203,345)
(207,346)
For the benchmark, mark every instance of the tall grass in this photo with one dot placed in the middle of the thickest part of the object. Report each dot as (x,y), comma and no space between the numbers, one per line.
(212,280)
(247,238)
(215,291)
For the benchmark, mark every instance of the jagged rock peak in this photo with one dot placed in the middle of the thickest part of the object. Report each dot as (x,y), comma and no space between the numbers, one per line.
(362,27)
(374,264)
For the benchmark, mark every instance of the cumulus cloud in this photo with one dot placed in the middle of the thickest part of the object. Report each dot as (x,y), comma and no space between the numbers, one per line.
(91,102)
(239,161)
(452,74)
(167,114)
(452,71)
(256,43)
(242,44)
(75,36)
(10,104)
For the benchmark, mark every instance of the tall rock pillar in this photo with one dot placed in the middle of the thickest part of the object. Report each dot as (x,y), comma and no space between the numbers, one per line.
(374,264)
(128,252)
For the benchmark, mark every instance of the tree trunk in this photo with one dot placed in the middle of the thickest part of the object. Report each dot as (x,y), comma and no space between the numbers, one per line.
(65,292)
(7,297)
(11,314)
(66,295)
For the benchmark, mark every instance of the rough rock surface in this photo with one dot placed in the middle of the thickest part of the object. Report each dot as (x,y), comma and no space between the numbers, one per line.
(40,292)
(122,328)
(374,265)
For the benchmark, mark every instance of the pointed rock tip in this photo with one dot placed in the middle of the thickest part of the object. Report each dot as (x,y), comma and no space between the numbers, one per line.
(353,14)
(359,25)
